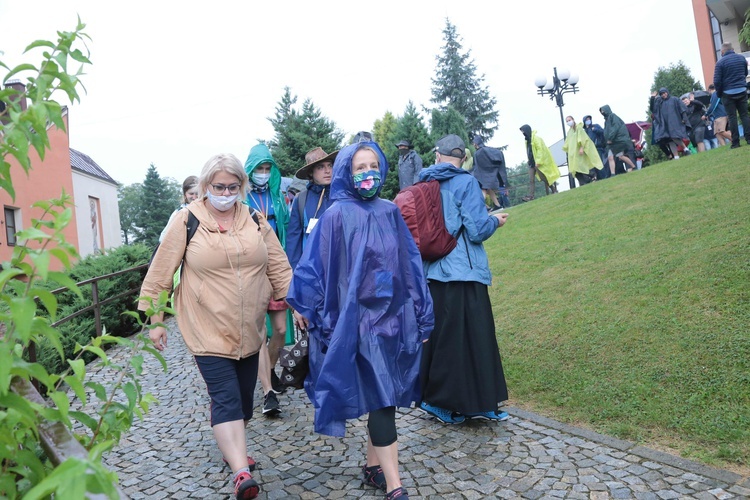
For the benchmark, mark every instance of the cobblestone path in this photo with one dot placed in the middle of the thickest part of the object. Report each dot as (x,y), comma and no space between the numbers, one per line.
(172,454)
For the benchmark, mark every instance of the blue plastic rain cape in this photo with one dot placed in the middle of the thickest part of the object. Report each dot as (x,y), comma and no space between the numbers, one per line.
(361,285)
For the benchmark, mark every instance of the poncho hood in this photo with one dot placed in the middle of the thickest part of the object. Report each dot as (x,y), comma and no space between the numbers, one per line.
(260,154)
(342,185)
(526,130)
(605,110)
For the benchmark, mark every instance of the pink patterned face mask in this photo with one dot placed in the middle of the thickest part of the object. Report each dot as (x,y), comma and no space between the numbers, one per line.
(367,183)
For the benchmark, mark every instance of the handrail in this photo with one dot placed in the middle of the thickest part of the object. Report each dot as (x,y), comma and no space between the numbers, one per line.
(96,303)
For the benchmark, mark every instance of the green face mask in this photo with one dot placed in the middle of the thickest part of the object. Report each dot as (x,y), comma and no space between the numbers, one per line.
(367,183)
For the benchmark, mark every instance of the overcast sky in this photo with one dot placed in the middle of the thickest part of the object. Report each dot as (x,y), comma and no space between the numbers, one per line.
(173,83)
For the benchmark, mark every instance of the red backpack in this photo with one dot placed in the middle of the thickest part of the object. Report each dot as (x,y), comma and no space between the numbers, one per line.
(422,211)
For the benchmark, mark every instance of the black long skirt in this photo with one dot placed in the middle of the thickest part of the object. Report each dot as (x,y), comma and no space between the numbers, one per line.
(461,368)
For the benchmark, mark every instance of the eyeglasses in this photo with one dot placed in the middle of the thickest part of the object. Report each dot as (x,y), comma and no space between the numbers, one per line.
(218,189)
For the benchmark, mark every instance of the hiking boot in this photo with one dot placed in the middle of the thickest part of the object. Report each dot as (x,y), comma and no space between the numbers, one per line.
(399,492)
(276,383)
(271,405)
(245,486)
(445,416)
(373,476)
(489,415)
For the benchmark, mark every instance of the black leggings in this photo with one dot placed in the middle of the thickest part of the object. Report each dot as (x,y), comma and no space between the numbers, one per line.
(381,424)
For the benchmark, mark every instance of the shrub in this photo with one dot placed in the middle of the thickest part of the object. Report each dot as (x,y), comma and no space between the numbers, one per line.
(82,328)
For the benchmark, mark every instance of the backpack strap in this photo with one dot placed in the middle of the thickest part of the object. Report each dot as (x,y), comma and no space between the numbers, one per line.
(301,200)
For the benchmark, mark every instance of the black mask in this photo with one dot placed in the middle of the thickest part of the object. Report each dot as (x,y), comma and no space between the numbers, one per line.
(403,152)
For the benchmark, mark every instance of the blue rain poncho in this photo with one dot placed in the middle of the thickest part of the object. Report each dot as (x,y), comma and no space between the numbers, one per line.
(361,286)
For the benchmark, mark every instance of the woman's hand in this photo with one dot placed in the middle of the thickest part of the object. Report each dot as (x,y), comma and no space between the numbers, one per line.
(158,336)
(300,321)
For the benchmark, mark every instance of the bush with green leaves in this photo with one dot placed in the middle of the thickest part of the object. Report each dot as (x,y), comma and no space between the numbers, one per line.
(81,329)
(28,416)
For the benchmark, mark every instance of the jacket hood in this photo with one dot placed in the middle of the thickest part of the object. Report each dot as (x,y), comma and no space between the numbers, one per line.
(526,129)
(663,90)
(605,110)
(342,184)
(441,172)
(260,154)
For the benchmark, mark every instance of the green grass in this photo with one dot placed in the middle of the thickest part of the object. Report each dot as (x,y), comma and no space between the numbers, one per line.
(624,306)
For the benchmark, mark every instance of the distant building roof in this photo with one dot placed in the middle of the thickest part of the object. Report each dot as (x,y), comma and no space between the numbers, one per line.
(84,163)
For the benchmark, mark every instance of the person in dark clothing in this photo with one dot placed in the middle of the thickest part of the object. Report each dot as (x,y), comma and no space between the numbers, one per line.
(489,171)
(730,80)
(306,209)
(596,134)
(696,112)
(409,164)
(718,115)
(670,119)
(619,144)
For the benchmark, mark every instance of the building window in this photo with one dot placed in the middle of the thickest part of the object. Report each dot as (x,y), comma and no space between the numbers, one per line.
(10,225)
(716,32)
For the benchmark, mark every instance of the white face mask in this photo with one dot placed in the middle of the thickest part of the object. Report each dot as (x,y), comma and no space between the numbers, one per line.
(261,179)
(570,123)
(222,203)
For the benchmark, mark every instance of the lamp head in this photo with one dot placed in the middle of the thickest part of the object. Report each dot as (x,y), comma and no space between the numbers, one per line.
(549,86)
(540,81)
(563,74)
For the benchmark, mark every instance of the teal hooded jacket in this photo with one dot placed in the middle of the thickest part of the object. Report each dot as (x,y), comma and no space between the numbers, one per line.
(260,154)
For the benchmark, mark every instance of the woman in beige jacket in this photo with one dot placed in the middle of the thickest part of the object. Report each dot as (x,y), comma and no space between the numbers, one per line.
(231,269)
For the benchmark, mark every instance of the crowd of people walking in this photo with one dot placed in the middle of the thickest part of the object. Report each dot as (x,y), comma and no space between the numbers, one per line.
(252,265)
(384,326)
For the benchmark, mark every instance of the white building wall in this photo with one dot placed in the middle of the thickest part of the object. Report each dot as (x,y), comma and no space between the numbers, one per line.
(85,186)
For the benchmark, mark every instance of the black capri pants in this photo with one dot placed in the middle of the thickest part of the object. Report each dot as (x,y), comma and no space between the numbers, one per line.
(381,425)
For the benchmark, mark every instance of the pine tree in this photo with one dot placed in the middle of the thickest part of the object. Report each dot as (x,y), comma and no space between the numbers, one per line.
(157,204)
(457,84)
(448,121)
(128,201)
(677,78)
(384,133)
(296,133)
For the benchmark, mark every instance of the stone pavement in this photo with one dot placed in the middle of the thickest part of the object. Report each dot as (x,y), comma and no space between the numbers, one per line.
(172,453)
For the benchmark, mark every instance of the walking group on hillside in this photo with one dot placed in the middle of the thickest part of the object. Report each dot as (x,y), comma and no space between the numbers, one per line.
(385,326)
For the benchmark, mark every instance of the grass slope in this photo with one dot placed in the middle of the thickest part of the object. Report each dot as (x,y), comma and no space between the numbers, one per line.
(623,305)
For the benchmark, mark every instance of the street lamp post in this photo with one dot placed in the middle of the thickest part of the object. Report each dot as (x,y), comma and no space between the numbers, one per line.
(562,83)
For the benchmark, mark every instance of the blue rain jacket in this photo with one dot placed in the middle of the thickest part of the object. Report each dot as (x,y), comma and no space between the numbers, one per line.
(467,219)
(361,285)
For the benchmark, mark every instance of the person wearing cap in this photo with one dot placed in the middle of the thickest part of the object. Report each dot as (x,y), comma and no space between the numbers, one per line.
(295,187)
(409,164)
(669,117)
(541,163)
(489,171)
(309,205)
(461,373)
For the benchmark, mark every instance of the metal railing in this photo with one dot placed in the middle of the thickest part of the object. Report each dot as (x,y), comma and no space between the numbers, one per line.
(96,304)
